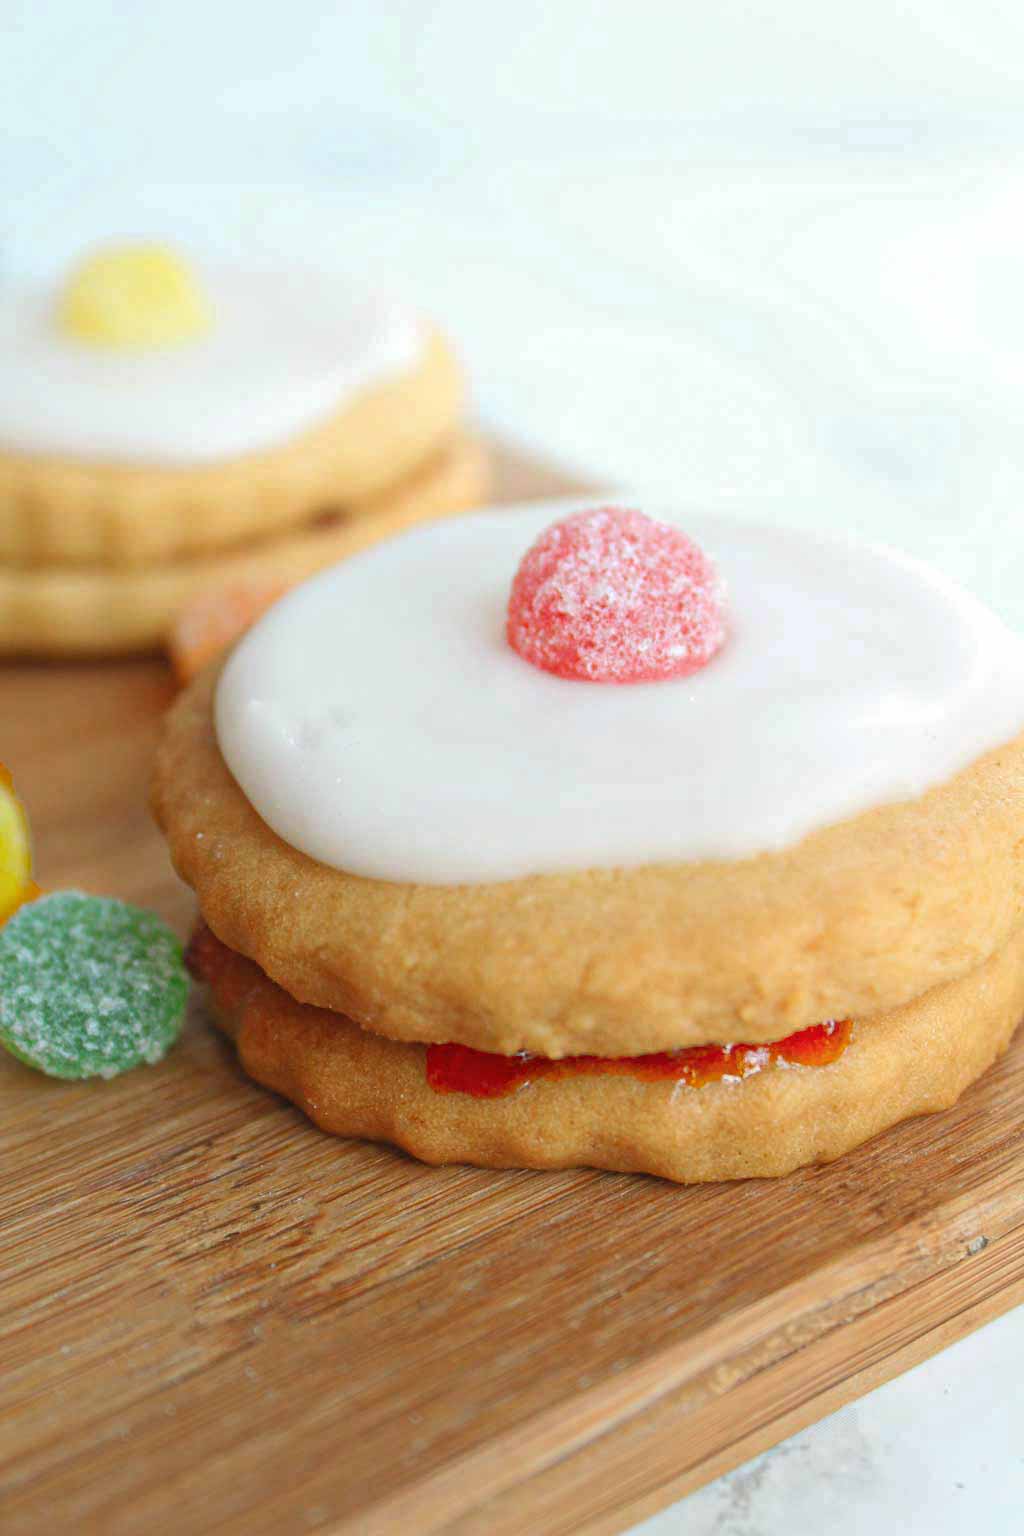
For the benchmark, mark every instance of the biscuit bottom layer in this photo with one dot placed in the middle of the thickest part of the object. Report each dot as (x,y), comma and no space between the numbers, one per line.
(487,1075)
(443,1104)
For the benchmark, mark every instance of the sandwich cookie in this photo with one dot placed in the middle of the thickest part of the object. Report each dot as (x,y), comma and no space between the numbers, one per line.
(155,420)
(676,845)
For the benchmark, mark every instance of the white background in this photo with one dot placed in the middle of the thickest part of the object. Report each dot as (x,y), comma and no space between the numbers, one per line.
(750,251)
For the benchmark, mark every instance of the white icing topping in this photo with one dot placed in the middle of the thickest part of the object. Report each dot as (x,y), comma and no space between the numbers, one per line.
(377,719)
(284,351)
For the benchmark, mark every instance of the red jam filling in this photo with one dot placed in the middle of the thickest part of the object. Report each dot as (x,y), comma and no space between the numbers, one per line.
(485,1075)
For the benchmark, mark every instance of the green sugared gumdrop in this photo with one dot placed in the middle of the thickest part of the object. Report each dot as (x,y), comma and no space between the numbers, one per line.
(89,987)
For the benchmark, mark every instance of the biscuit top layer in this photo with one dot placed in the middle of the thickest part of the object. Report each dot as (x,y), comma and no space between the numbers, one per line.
(378,721)
(280,352)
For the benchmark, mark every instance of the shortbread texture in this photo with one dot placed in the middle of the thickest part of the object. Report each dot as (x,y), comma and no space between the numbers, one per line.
(56,511)
(854,921)
(914,1060)
(96,610)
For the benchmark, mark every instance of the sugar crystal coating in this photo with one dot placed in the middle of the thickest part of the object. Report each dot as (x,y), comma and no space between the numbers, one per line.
(611,596)
(89,986)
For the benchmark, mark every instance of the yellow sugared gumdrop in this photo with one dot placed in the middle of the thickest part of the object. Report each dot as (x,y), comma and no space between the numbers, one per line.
(15,850)
(133,296)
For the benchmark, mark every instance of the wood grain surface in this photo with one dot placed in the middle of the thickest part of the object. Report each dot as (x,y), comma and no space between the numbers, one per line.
(216,1319)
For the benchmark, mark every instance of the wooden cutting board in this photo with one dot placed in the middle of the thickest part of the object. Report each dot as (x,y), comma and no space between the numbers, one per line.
(213,1318)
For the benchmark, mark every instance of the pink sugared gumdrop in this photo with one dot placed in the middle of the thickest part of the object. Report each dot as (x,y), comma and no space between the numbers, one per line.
(612,596)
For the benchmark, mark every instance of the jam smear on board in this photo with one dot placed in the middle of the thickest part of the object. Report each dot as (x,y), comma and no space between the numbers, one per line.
(485,1075)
